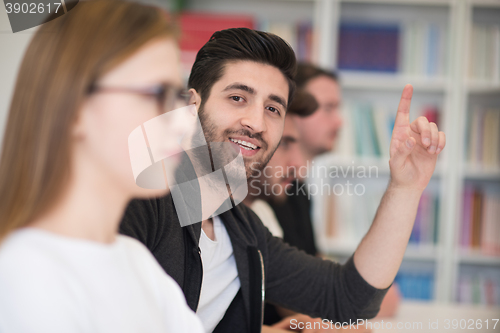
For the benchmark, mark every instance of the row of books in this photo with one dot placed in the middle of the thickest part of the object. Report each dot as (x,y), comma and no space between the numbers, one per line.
(299,35)
(413,49)
(367,129)
(484,59)
(480,228)
(368,47)
(414,285)
(483,138)
(479,289)
(425,229)
(347,224)
(416,49)
(196,29)
(425,49)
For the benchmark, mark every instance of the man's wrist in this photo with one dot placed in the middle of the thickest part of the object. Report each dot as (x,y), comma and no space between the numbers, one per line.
(394,187)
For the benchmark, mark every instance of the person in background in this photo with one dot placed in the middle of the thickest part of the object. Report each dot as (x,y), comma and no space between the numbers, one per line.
(273,181)
(317,135)
(87,80)
(273,185)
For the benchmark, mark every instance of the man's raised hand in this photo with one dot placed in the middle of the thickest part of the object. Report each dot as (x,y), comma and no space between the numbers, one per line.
(414,147)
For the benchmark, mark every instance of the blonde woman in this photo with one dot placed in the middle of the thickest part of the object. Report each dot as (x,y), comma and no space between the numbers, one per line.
(87,80)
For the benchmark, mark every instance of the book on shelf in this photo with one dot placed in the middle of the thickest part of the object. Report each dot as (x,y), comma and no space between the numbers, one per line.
(425,228)
(368,47)
(298,34)
(424,49)
(483,138)
(480,226)
(197,28)
(484,56)
(480,287)
(348,218)
(367,129)
(412,49)
(415,285)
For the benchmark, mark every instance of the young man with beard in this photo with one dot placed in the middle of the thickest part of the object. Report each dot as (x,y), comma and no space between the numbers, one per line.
(242,82)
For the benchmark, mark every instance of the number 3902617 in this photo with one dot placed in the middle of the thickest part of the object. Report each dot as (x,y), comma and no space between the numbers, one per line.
(32,8)
(470,324)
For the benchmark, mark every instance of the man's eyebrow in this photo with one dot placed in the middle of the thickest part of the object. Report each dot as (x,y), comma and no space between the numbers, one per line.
(278,99)
(289,139)
(240,86)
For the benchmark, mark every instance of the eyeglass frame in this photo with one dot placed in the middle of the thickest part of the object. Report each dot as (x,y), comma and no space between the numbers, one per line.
(162,93)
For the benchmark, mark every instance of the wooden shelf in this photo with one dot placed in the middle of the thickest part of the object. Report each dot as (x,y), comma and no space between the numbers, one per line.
(475,257)
(486,3)
(381,164)
(483,87)
(422,252)
(481,173)
(399,2)
(381,81)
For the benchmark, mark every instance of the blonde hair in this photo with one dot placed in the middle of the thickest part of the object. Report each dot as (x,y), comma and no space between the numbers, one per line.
(64,58)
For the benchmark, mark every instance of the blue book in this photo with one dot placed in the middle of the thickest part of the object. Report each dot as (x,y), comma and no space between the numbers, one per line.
(368,47)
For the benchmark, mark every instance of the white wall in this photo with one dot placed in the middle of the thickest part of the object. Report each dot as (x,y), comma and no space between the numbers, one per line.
(12,48)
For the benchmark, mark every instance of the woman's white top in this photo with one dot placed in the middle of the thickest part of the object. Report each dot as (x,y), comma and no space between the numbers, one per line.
(51,283)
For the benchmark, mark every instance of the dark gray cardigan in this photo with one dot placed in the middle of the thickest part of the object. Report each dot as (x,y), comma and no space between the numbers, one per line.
(289,277)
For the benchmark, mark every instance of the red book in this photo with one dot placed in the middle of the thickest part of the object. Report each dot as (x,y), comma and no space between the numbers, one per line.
(477,219)
(197,28)
(432,114)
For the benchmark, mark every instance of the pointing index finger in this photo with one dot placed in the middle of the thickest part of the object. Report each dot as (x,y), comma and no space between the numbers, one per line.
(403,114)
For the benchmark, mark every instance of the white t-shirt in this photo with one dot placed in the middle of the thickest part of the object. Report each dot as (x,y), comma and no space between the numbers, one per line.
(220,282)
(266,214)
(55,284)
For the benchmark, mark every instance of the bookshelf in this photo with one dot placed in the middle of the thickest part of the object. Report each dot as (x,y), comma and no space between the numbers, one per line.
(427,265)
(476,266)
(459,93)
(451,90)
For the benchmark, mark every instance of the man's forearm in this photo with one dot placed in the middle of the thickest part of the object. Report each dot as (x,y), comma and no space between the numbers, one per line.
(381,251)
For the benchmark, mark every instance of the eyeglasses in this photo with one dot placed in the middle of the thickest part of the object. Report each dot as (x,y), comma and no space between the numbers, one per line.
(168,97)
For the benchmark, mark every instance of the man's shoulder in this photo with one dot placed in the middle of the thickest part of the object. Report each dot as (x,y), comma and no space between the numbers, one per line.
(150,221)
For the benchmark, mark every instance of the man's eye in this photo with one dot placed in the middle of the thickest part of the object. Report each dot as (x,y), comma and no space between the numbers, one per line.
(237,98)
(273,110)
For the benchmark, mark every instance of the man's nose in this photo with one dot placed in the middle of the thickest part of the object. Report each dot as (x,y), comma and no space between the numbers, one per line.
(254,119)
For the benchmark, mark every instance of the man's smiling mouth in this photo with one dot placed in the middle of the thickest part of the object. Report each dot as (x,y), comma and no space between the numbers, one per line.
(244,144)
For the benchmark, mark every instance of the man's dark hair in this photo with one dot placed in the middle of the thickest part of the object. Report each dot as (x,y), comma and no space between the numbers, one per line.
(307,72)
(240,44)
(303,105)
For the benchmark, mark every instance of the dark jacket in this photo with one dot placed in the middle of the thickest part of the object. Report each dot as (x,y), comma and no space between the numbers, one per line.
(294,217)
(267,267)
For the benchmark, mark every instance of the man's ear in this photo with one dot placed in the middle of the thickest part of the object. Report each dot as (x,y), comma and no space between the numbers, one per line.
(195,98)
